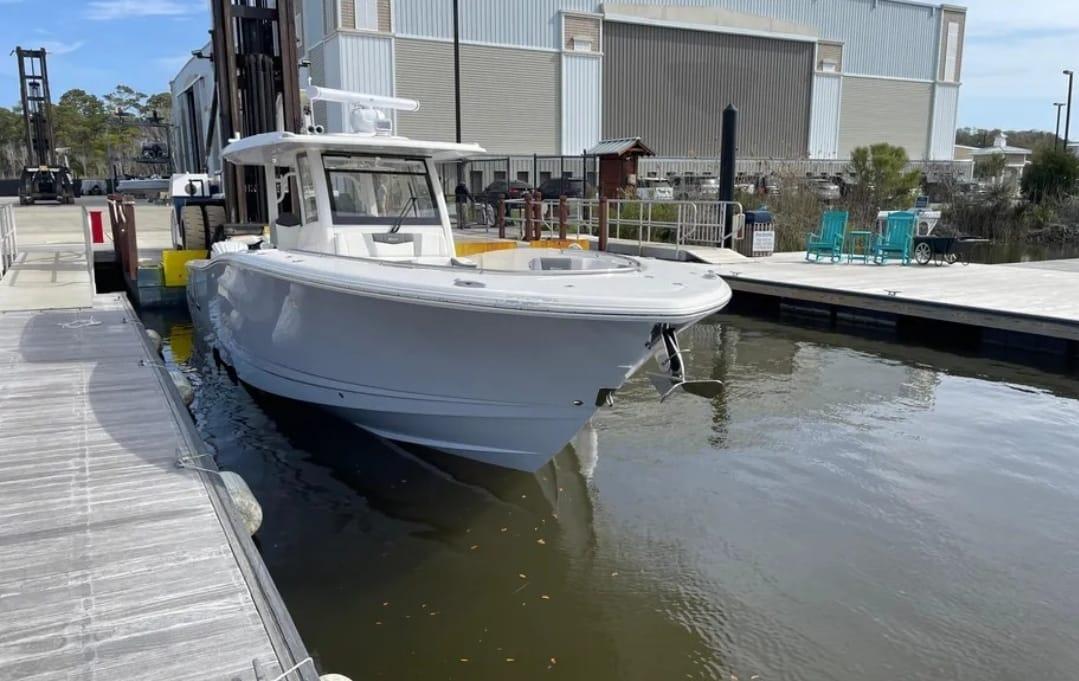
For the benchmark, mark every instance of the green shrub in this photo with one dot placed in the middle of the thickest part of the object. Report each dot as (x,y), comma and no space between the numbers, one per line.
(1051,175)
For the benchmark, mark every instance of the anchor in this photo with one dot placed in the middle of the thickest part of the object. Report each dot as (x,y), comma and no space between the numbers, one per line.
(670,360)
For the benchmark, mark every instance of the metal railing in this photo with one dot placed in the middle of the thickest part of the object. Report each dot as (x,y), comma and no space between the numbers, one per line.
(8,246)
(678,223)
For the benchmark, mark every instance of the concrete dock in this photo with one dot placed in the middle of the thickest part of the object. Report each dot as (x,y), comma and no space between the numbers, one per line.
(115,562)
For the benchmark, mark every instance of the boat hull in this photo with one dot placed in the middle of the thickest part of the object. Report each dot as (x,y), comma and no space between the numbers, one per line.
(495,386)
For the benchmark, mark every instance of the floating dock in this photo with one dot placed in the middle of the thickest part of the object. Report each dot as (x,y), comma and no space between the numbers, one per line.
(1029,307)
(115,561)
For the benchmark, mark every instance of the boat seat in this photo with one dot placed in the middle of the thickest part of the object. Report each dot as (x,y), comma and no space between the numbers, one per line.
(415,244)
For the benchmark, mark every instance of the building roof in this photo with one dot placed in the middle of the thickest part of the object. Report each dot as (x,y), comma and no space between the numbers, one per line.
(1001,146)
(989,151)
(620,147)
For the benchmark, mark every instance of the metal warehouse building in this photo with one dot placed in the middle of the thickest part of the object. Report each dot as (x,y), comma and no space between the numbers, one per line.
(813,79)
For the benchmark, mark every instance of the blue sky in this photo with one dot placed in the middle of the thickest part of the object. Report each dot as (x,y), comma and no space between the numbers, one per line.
(1015,50)
(96,44)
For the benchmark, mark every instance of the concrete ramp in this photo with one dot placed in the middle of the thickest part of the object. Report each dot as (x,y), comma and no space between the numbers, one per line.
(53,277)
(714,256)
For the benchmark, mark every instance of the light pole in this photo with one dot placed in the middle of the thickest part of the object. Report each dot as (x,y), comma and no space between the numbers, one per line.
(1056,139)
(457,108)
(1068,118)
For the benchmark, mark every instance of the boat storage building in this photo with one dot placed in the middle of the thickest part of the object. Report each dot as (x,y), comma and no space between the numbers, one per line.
(813,79)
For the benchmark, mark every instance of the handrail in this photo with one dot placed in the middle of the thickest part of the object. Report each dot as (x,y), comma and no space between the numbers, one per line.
(8,241)
(683,223)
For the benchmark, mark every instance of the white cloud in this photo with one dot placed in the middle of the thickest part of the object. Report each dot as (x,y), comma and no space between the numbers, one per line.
(105,10)
(55,47)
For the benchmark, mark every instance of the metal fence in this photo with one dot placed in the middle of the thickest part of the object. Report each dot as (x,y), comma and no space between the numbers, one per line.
(478,173)
(7,238)
(679,223)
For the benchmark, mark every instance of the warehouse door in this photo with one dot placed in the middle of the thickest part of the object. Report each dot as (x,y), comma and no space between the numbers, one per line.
(670,86)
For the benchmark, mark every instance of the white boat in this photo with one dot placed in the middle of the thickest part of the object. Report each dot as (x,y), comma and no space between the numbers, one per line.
(361,306)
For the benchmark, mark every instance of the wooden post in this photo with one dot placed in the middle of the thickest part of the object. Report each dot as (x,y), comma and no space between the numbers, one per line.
(131,237)
(502,218)
(528,217)
(603,223)
(537,221)
(563,217)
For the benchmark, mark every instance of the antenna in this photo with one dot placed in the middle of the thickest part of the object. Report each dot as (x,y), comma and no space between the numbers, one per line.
(315,92)
(366,112)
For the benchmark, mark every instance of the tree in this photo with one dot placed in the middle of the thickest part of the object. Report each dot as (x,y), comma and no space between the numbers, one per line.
(126,101)
(81,122)
(881,171)
(12,142)
(990,167)
(881,181)
(1051,175)
(159,105)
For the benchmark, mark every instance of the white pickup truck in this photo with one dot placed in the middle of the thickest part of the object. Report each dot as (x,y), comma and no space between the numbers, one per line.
(654,189)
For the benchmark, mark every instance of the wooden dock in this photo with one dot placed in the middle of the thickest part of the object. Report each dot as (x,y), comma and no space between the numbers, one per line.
(115,562)
(1025,302)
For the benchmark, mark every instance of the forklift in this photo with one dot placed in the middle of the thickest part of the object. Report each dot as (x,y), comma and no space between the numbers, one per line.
(44,179)
(257,90)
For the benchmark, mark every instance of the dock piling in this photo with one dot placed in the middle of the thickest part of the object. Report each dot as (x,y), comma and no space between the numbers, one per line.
(528,217)
(603,225)
(563,217)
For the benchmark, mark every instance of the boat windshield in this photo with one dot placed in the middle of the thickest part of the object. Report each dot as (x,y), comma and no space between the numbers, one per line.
(379,190)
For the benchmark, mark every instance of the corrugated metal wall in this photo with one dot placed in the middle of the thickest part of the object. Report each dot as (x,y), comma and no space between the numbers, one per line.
(317,73)
(499,109)
(196,75)
(525,23)
(581,83)
(892,111)
(331,75)
(360,63)
(936,171)
(669,86)
(366,64)
(824,117)
(313,28)
(945,112)
(882,38)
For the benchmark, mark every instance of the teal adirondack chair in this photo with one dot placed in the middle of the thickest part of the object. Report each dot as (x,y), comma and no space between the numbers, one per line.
(833,229)
(896,241)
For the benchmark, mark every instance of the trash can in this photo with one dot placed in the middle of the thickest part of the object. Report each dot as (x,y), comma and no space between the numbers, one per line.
(759,236)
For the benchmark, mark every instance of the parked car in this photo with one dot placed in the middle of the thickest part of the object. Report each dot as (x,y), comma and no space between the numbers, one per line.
(654,189)
(501,189)
(745,185)
(94,187)
(825,190)
(693,187)
(570,187)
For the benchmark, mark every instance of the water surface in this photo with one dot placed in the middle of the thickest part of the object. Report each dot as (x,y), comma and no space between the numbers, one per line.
(850,509)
